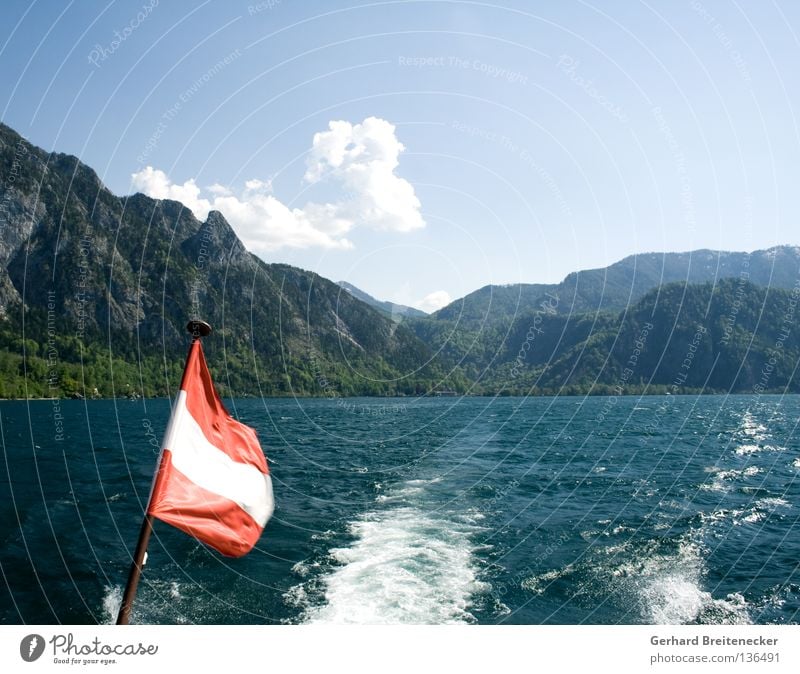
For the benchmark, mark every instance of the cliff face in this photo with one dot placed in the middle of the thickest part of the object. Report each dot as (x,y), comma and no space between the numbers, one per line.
(127,273)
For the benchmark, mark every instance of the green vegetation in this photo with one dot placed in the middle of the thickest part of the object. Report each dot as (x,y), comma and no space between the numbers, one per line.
(109,284)
(732,336)
(95,291)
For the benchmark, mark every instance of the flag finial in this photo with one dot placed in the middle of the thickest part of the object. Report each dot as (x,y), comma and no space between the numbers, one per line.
(198,329)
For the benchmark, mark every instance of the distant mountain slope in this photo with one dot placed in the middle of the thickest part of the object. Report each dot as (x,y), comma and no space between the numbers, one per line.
(86,276)
(394,311)
(622,283)
(470,334)
(730,336)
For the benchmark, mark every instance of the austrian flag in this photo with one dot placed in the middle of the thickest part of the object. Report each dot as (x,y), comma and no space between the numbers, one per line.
(213,481)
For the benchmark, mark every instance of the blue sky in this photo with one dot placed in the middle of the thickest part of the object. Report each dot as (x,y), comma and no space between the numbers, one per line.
(473,142)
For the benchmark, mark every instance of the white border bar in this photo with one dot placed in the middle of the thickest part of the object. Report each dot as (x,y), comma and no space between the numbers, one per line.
(373,649)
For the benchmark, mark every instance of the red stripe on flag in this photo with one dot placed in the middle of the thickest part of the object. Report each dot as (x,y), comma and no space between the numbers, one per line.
(209,517)
(221,430)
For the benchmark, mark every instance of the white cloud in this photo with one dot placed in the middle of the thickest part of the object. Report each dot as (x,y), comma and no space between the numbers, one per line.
(218,190)
(156,184)
(265,224)
(362,158)
(358,160)
(256,185)
(434,301)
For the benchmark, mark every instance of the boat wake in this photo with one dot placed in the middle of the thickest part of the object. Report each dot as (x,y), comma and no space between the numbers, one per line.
(655,582)
(403,566)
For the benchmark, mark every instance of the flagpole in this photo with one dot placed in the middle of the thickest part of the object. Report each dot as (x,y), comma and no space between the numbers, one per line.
(197,329)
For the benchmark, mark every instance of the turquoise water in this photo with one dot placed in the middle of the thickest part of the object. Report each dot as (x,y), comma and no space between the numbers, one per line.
(482,510)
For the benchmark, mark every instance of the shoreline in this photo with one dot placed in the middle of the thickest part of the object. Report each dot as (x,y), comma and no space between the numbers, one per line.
(430,397)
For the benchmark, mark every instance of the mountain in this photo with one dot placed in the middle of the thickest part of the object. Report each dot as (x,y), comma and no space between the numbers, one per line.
(394,311)
(614,287)
(726,336)
(95,291)
(469,333)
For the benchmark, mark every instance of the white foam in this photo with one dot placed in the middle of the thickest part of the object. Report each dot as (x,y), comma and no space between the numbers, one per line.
(501,609)
(673,599)
(716,516)
(753,449)
(415,483)
(324,535)
(157,601)
(174,591)
(669,589)
(398,494)
(539,583)
(747,449)
(112,600)
(733,474)
(304,568)
(296,596)
(404,566)
(723,477)
(406,490)
(756,513)
(752,517)
(771,503)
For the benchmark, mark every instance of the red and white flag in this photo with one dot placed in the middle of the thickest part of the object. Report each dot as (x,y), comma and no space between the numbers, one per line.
(213,481)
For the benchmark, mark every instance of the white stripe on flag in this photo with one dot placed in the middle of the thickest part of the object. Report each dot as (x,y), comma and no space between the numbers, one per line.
(212,469)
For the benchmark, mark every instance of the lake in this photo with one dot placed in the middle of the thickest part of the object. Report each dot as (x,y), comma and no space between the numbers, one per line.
(566,510)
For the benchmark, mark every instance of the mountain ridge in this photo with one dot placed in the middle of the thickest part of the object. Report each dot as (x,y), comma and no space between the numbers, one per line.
(395,311)
(129,272)
(95,290)
(625,281)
